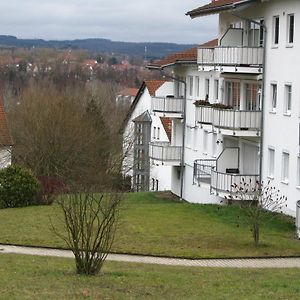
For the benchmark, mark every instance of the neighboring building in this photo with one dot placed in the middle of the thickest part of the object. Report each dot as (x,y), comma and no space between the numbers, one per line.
(146,133)
(246,124)
(6,142)
(126,96)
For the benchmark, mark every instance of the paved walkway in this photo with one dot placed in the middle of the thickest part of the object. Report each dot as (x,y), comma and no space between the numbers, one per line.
(208,263)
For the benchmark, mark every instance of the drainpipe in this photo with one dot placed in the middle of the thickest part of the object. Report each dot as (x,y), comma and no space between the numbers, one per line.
(264,27)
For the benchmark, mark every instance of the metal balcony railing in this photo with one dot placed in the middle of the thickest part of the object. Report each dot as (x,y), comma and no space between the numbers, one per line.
(204,114)
(164,152)
(167,104)
(231,56)
(203,169)
(237,119)
(225,182)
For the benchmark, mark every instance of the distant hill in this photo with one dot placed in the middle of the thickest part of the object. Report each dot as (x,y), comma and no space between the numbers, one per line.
(154,50)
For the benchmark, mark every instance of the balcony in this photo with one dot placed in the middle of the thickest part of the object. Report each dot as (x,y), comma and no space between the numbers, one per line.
(168,106)
(203,169)
(223,183)
(204,114)
(232,59)
(237,122)
(165,154)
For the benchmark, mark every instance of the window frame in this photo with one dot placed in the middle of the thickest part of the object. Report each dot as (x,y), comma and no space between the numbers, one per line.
(285,168)
(273,104)
(271,162)
(290,38)
(276,31)
(288,96)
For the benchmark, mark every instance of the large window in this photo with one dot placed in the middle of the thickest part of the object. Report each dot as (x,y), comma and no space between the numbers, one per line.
(287,99)
(285,167)
(252,96)
(216,90)
(290,28)
(276,30)
(271,162)
(232,94)
(197,84)
(206,89)
(273,97)
(191,85)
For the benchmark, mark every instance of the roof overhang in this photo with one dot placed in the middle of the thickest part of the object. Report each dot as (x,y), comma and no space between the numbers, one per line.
(216,8)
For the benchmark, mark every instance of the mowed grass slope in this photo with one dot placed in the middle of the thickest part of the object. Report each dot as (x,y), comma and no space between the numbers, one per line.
(32,277)
(155,226)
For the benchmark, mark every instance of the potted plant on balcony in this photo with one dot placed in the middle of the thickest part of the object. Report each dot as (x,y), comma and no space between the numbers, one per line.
(198,103)
(221,106)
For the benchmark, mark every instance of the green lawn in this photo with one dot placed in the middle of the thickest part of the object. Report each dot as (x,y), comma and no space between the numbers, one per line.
(152,225)
(32,277)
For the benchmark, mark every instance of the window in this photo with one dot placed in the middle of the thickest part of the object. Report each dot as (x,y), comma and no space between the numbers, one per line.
(191,85)
(290,28)
(205,138)
(154,133)
(207,89)
(298,171)
(216,90)
(273,97)
(214,145)
(275,30)
(197,85)
(271,162)
(287,99)
(285,167)
(232,94)
(158,133)
(252,96)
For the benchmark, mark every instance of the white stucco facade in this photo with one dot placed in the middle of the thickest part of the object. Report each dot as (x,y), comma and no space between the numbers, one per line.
(257,135)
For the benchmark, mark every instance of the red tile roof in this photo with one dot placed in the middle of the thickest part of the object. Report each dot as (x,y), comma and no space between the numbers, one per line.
(167,123)
(187,56)
(5,137)
(153,85)
(129,92)
(216,6)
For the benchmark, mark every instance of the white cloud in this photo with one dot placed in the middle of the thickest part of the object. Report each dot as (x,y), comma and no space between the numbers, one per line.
(131,20)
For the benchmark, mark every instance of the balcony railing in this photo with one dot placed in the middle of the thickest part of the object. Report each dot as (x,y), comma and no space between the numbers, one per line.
(225,182)
(164,152)
(167,104)
(203,169)
(237,119)
(204,114)
(231,56)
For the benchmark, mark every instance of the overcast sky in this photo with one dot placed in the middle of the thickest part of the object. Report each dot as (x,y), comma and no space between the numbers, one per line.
(121,20)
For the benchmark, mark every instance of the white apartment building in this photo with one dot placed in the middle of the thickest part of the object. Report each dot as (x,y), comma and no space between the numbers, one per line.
(147,133)
(240,102)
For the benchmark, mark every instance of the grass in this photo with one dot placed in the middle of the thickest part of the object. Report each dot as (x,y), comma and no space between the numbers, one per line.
(30,277)
(152,225)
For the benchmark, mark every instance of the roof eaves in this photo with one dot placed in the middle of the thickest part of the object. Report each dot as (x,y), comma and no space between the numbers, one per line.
(199,12)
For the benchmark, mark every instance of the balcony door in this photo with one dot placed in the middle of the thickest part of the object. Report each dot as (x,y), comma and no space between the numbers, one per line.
(250,159)
(253,96)
(233,94)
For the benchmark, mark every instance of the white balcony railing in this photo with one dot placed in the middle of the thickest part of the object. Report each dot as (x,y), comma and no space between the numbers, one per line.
(237,119)
(167,104)
(228,56)
(203,169)
(226,182)
(204,114)
(164,152)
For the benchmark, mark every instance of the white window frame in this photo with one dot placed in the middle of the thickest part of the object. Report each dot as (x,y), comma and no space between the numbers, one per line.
(197,86)
(290,38)
(205,142)
(191,85)
(273,97)
(271,162)
(276,35)
(287,108)
(216,88)
(207,86)
(285,167)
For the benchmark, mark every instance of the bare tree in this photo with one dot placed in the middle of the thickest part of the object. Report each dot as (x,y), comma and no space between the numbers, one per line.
(256,198)
(90,224)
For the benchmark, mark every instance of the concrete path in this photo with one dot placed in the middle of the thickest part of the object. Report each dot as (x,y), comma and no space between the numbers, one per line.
(207,263)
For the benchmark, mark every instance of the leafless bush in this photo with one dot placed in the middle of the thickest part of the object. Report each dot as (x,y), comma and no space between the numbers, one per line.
(256,198)
(90,224)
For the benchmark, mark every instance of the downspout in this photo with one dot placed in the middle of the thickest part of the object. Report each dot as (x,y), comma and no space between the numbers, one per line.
(264,27)
(183,130)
